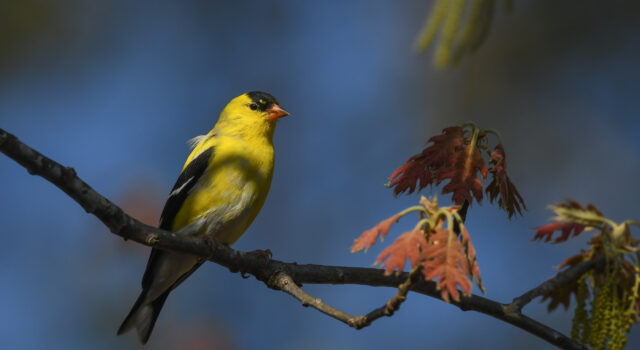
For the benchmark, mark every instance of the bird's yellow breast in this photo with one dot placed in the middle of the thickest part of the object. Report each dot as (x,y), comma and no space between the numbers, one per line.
(233,188)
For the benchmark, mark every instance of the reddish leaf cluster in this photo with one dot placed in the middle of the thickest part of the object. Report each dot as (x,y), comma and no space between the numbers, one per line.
(458,159)
(463,175)
(369,237)
(409,245)
(428,163)
(443,257)
(611,239)
(501,185)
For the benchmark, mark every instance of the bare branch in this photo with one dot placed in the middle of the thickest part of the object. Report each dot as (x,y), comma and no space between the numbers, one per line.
(393,304)
(267,271)
(285,283)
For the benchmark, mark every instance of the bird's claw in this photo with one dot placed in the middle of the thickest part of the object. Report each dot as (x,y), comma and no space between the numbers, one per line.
(266,254)
(213,244)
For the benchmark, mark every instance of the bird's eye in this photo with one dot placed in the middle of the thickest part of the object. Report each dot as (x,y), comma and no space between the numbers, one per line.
(253,106)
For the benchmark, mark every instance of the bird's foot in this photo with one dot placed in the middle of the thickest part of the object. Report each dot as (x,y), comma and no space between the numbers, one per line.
(266,254)
(213,244)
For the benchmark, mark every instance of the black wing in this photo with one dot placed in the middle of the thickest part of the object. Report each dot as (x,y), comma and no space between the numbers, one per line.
(187,179)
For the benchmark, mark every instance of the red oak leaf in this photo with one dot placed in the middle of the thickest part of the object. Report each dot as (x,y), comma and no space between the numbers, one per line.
(406,177)
(571,219)
(561,295)
(421,166)
(510,200)
(471,257)
(463,175)
(445,259)
(369,237)
(573,204)
(546,231)
(573,260)
(409,245)
(444,146)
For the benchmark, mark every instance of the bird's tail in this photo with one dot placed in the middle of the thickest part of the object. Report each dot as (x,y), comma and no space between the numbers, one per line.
(143,316)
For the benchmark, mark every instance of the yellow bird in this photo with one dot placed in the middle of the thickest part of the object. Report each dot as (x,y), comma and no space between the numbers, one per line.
(219,192)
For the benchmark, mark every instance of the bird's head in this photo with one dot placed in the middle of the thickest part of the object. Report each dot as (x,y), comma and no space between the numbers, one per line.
(265,105)
(255,105)
(254,113)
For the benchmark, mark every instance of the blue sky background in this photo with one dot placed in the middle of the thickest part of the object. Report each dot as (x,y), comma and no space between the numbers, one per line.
(115,88)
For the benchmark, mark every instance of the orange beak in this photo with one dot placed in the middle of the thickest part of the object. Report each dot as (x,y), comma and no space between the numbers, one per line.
(275,112)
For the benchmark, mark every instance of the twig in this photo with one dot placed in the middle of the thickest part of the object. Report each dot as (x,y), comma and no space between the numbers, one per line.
(264,270)
(285,283)
(548,286)
(393,304)
(463,215)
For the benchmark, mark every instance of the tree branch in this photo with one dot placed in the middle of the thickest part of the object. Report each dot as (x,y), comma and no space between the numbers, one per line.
(274,273)
(393,304)
(285,283)
(548,286)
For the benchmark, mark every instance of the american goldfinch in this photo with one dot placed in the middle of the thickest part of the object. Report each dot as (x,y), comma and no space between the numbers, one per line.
(219,192)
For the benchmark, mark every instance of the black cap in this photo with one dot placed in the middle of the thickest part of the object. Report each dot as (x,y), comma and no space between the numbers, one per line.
(262,99)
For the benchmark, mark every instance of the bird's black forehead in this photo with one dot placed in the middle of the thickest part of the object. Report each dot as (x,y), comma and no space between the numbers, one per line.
(262,99)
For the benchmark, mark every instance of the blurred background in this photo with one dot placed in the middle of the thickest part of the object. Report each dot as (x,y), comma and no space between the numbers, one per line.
(115,88)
